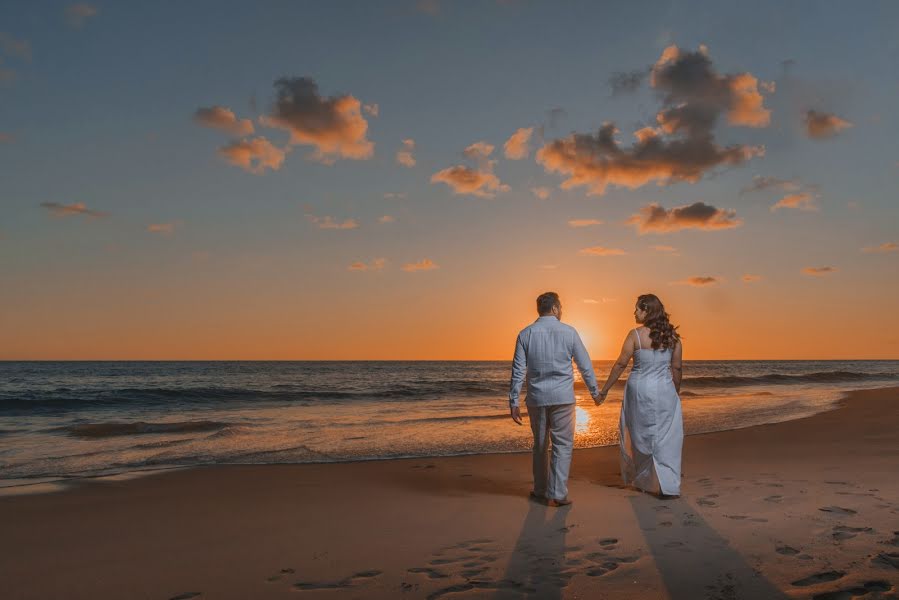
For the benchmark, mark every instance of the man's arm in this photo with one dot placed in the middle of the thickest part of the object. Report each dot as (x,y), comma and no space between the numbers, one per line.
(519,369)
(582,359)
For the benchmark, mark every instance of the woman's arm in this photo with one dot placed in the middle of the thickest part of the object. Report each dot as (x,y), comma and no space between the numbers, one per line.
(627,351)
(677,369)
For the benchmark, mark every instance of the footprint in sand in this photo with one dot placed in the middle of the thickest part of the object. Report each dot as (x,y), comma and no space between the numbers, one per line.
(818,578)
(444,561)
(886,559)
(787,550)
(186,595)
(469,573)
(860,590)
(348,582)
(707,501)
(431,573)
(894,541)
(843,532)
(838,510)
(665,524)
(774,498)
(280,575)
(608,541)
(503,584)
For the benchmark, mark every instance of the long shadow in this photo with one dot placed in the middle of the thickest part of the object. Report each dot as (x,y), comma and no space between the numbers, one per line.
(694,560)
(537,566)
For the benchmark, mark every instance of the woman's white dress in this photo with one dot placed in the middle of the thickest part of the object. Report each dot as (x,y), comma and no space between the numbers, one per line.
(651,425)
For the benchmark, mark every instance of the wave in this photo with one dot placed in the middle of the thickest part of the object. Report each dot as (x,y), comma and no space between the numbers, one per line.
(104,430)
(66,399)
(781,379)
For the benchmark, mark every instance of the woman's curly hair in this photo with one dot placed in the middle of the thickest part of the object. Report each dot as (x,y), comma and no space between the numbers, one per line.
(663,334)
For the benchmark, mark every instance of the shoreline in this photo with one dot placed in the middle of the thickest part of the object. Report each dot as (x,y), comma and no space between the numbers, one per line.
(57,483)
(784,510)
(60,483)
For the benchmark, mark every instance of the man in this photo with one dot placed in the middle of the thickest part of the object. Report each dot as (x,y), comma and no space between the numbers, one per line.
(544,351)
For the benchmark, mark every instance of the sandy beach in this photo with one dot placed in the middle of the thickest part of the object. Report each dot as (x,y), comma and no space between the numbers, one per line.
(802,509)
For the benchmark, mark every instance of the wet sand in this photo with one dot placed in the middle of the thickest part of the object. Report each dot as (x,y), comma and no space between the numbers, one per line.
(802,509)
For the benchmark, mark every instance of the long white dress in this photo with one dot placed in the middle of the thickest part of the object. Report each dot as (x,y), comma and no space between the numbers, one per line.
(651,424)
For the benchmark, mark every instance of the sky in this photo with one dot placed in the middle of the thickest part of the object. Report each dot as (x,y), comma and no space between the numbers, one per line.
(401,180)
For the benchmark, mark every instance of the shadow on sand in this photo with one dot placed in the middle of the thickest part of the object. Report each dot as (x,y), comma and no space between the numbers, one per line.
(537,568)
(693,559)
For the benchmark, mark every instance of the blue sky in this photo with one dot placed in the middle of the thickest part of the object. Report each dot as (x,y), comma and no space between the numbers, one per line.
(102,113)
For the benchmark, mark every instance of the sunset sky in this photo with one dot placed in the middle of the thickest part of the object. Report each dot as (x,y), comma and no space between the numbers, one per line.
(400,180)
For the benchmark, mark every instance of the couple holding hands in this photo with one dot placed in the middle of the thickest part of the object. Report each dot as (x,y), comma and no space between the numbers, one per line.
(651,424)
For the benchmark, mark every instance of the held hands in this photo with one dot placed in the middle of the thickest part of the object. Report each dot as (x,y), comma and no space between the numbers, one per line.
(516,414)
(600,397)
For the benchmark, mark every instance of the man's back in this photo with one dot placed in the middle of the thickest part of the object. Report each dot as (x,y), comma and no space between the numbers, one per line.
(544,351)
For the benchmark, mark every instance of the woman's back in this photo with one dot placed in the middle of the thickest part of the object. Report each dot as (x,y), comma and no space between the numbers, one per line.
(649,362)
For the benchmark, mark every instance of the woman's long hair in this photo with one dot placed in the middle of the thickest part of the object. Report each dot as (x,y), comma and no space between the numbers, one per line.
(663,334)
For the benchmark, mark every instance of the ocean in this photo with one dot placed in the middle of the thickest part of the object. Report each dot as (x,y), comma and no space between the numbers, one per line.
(61,420)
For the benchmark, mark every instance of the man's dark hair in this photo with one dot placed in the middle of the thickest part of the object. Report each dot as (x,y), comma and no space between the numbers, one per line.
(546,302)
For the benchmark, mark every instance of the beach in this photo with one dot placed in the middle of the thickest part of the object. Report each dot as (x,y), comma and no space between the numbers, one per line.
(800,509)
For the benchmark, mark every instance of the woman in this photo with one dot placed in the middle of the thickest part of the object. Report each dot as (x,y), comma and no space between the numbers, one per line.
(651,425)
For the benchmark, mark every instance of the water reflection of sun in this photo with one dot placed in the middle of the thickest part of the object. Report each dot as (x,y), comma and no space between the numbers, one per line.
(581,420)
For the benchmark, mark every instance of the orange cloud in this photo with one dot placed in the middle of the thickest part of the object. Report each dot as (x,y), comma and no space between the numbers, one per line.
(219,117)
(583,222)
(657,219)
(760,183)
(333,125)
(693,96)
(404,156)
(698,281)
(479,150)
(77,14)
(821,125)
(332,223)
(425,264)
(882,249)
(819,271)
(375,265)
(598,161)
(372,109)
(163,228)
(254,155)
(516,147)
(750,278)
(465,180)
(800,201)
(541,192)
(387,219)
(69,210)
(601,251)
(668,249)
